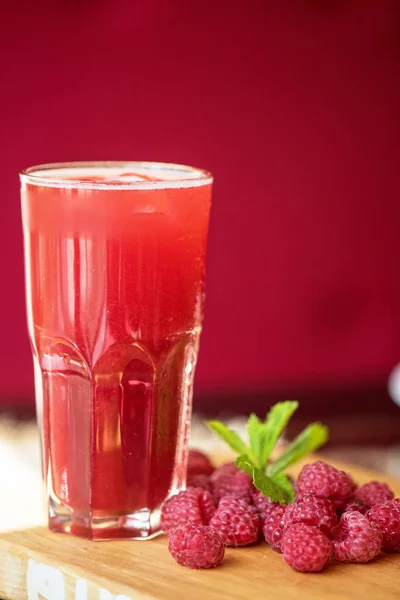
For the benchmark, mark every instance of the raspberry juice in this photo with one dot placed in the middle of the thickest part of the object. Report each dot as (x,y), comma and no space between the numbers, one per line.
(115,262)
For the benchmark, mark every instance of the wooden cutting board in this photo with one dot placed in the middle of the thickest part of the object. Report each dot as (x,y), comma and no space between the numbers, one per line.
(38,565)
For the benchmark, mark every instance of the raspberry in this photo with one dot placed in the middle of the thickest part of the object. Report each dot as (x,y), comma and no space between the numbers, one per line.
(199,480)
(228,480)
(273,527)
(194,506)
(199,463)
(196,546)
(355,539)
(305,548)
(225,469)
(264,505)
(387,517)
(325,481)
(373,493)
(354,504)
(311,510)
(236,521)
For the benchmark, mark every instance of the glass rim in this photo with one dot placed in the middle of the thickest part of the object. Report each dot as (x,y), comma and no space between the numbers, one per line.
(197,177)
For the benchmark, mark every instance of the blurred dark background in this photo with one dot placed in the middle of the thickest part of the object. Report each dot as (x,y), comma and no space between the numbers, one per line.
(294,106)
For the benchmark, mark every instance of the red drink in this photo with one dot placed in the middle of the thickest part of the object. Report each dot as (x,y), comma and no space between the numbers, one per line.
(115,261)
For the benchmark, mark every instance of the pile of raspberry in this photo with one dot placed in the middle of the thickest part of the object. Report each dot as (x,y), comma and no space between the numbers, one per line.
(331,518)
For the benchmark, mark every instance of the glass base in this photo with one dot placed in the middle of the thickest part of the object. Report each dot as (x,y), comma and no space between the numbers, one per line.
(141,525)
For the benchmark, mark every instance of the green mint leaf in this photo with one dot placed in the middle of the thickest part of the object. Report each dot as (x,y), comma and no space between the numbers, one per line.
(269,487)
(278,488)
(230,437)
(275,422)
(257,434)
(245,464)
(284,482)
(311,438)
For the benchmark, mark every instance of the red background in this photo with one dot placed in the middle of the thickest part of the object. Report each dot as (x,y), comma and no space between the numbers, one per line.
(292,105)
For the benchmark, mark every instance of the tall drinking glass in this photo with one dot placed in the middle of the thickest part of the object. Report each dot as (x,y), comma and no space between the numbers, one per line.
(115,262)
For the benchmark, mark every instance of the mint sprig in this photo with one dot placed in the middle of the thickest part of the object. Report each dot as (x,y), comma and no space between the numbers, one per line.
(230,437)
(275,422)
(309,440)
(253,459)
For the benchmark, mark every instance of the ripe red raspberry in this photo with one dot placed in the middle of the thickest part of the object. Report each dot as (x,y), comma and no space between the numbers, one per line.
(200,481)
(236,521)
(228,480)
(196,546)
(273,527)
(305,548)
(387,517)
(355,539)
(194,506)
(311,510)
(226,469)
(199,463)
(263,504)
(353,504)
(325,481)
(373,493)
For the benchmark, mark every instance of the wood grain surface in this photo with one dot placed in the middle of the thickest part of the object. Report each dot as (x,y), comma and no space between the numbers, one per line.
(36,564)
